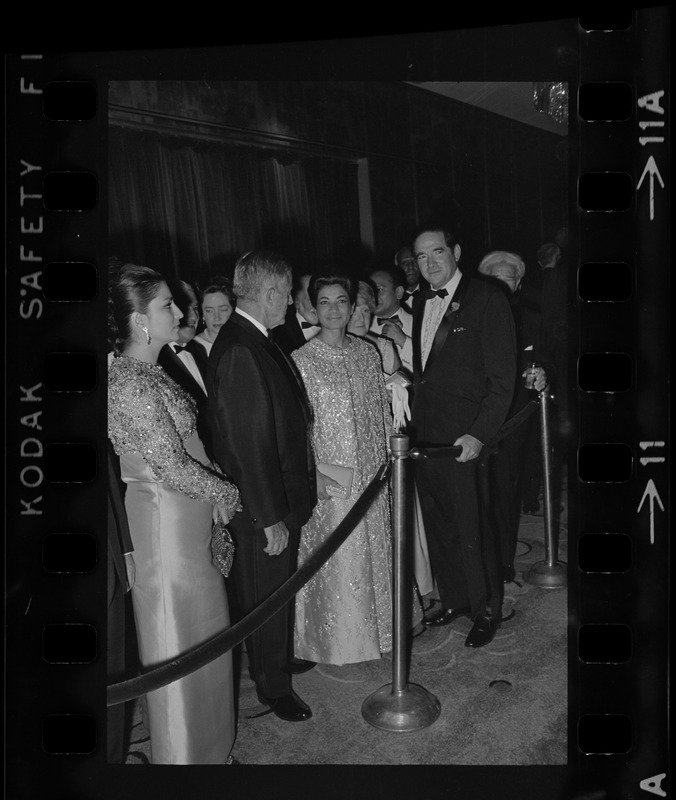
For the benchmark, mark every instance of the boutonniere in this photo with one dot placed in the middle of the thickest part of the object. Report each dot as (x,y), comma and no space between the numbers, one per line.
(455,306)
(459,330)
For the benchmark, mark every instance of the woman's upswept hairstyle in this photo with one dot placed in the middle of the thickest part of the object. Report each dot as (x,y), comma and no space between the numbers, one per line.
(130,289)
(330,277)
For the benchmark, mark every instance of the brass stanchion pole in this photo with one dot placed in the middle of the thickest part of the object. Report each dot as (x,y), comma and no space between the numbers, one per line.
(400,706)
(550,573)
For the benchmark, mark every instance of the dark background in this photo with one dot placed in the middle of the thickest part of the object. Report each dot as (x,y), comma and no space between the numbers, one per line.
(201,171)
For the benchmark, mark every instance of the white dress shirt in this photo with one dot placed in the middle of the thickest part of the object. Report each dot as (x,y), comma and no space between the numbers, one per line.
(308,333)
(435,308)
(191,365)
(408,302)
(251,319)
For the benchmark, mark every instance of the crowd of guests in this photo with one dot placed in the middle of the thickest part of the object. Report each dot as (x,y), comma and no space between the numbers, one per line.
(266,403)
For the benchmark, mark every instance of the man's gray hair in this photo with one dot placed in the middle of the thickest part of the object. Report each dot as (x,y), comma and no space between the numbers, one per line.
(502,257)
(256,270)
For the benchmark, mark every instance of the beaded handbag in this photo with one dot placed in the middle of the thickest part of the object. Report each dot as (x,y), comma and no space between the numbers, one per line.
(222,547)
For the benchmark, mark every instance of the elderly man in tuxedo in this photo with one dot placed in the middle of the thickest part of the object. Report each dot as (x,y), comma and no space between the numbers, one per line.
(503,470)
(260,424)
(464,360)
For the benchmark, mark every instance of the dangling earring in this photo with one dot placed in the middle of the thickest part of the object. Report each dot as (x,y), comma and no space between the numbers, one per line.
(145,330)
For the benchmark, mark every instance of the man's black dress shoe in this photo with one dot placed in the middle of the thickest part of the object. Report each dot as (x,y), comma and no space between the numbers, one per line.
(299,665)
(289,707)
(508,574)
(444,617)
(483,631)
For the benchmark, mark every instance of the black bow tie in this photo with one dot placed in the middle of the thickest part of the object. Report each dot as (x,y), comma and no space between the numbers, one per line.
(394,318)
(304,325)
(178,348)
(436,293)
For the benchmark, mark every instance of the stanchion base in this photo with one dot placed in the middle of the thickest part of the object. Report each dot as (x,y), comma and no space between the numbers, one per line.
(547,576)
(408,710)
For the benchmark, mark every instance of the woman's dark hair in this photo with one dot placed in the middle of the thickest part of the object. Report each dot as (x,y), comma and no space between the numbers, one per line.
(180,291)
(332,278)
(215,284)
(130,289)
(222,285)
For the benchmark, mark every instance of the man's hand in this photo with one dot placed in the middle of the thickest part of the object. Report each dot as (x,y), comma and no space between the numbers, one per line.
(540,382)
(392,330)
(322,482)
(222,512)
(471,447)
(278,538)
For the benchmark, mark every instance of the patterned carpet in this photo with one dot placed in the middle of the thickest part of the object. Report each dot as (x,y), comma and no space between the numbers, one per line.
(505,703)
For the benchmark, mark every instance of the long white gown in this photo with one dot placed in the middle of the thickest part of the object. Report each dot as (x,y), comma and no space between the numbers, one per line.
(179,597)
(344,613)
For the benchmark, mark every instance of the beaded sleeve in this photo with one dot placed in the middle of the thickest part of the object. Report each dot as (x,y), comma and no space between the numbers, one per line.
(151,415)
(377,372)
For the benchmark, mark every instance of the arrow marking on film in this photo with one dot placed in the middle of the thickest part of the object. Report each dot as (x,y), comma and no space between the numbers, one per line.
(651,493)
(651,169)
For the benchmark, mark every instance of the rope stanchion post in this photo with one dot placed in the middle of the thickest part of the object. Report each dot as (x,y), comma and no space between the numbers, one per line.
(550,573)
(400,706)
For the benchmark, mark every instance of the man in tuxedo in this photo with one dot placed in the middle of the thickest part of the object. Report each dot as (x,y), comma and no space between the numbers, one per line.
(300,323)
(464,361)
(391,319)
(502,471)
(186,300)
(405,260)
(260,426)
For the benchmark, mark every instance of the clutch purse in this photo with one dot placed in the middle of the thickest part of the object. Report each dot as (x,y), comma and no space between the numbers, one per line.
(398,377)
(343,475)
(222,547)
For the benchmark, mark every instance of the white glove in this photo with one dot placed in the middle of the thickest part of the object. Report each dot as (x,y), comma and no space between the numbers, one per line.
(400,410)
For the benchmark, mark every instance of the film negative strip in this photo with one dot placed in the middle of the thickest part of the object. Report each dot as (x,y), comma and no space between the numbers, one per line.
(59,108)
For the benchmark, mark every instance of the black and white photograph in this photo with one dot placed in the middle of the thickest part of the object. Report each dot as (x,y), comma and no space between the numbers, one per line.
(383,408)
(391,185)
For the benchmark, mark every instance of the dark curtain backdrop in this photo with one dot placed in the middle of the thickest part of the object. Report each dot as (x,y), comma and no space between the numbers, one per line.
(189,208)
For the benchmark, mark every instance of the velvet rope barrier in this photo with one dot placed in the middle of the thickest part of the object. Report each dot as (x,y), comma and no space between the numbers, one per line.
(218,645)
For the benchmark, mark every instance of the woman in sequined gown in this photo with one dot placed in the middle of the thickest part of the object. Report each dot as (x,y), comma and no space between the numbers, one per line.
(344,613)
(172,495)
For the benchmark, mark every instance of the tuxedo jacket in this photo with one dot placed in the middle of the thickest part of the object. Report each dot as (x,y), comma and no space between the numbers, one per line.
(199,353)
(289,336)
(527,323)
(177,370)
(468,381)
(260,425)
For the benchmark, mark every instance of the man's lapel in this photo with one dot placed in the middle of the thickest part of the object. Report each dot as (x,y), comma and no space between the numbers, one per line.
(448,320)
(286,364)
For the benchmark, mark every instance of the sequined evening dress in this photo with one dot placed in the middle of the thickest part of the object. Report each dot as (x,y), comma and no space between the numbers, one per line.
(179,597)
(344,613)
